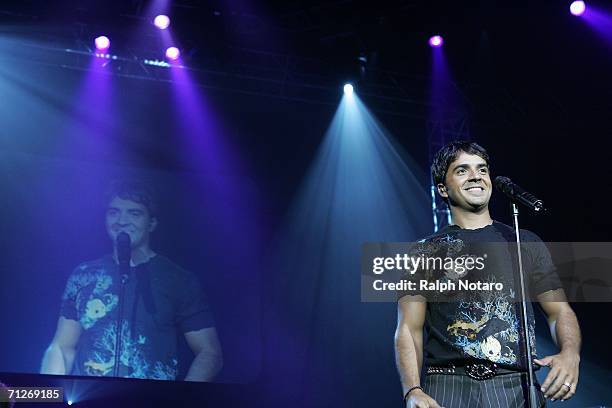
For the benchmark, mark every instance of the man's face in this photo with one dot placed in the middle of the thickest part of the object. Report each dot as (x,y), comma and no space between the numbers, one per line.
(467,183)
(130,217)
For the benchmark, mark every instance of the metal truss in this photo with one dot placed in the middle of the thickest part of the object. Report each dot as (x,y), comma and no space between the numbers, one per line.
(453,125)
(248,71)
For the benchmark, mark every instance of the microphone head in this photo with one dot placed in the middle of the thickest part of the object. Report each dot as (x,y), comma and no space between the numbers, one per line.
(124,250)
(503,184)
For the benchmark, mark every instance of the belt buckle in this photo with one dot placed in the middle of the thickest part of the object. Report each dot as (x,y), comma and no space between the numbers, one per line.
(480,371)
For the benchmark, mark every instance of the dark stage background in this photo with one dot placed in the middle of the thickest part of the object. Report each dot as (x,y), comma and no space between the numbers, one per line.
(534,81)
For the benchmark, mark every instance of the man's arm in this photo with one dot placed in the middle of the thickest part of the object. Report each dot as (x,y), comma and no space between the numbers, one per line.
(59,356)
(564,367)
(409,348)
(208,358)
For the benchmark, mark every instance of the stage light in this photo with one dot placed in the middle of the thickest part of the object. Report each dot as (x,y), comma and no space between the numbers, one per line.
(69,402)
(348,89)
(156,63)
(102,43)
(577,8)
(436,41)
(162,22)
(173,53)
(106,56)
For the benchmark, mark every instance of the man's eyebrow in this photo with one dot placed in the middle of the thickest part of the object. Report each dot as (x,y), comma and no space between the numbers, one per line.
(466,165)
(140,210)
(460,166)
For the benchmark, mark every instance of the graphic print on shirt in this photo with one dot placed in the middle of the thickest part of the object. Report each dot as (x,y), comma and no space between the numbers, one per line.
(486,330)
(91,290)
(482,325)
(102,361)
(99,302)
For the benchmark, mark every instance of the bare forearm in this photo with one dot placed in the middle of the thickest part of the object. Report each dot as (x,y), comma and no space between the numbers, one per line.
(567,331)
(408,356)
(57,361)
(205,366)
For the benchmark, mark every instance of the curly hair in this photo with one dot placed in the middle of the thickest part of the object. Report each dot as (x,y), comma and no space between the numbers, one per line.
(134,190)
(449,153)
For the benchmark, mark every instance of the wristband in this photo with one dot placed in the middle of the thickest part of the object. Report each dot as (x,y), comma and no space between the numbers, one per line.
(410,390)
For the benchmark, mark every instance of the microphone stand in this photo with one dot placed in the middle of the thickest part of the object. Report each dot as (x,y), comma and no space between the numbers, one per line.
(124,270)
(532,400)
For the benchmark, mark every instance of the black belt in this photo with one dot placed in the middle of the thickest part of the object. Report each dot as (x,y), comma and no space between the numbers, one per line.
(478,371)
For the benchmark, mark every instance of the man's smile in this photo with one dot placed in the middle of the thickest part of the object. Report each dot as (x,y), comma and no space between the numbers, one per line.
(475,188)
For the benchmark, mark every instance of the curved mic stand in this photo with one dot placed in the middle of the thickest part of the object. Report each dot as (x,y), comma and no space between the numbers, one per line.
(532,401)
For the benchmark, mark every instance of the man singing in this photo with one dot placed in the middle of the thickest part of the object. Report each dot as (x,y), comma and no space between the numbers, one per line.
(472,353)
(159,299)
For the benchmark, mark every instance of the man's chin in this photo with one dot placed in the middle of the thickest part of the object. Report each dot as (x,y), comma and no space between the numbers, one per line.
(476,202)
(471,204)
(479,205)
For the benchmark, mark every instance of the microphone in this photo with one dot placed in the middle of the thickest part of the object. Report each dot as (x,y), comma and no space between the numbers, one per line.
(124,253)
(517,194)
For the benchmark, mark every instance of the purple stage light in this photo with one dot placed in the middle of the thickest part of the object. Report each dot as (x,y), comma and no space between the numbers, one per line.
(173,53)
(577,8)
(436,41)
(162,22)
(102,43)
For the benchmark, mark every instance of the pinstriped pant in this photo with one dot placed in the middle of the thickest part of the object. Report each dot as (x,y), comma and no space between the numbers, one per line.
(458,391)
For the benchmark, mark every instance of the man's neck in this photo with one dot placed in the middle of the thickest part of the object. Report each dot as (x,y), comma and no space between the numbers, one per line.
(471,219)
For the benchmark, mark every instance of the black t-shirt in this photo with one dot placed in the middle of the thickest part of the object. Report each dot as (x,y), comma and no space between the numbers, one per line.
(485,325)
(160,298)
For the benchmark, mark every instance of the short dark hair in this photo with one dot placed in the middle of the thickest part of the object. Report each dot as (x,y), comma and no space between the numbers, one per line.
(134,190)
(447,154)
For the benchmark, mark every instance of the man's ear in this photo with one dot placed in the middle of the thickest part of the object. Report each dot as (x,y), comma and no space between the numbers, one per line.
(152,224)
(442,190)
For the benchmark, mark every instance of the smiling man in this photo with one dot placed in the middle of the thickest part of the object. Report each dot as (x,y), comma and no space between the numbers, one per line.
(160,299)
(471,347)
